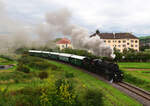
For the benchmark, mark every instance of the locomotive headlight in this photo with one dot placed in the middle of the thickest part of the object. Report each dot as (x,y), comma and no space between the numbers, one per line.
(115,75)
(121,74)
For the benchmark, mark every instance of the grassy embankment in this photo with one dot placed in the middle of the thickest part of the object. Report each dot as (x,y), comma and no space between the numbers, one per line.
(136,65)
(137,74)
(64,84)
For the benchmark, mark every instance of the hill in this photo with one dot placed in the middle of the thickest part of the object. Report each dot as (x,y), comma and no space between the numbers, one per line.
(144,37)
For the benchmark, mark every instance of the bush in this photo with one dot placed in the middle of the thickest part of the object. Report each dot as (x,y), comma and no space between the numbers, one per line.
(69,75)
(133,57)
(65,90)
(43,75)
(7,58)
(92,98)
(39,65)
(23,68)
(79,52)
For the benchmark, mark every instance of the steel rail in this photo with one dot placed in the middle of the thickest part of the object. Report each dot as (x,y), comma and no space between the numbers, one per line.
(140,92)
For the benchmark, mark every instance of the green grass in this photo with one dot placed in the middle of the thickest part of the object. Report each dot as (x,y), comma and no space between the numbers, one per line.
(112,95)
(138,65)
(6,62)
(81,80)
(138,77)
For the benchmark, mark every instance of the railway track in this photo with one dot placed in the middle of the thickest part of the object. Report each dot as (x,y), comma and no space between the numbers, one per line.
(140,92)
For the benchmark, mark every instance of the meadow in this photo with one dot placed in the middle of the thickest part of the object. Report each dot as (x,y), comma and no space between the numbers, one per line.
(136,65)
(137,73)
(39,82)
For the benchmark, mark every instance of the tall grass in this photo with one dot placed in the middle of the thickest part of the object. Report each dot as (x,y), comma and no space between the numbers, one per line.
(136,80)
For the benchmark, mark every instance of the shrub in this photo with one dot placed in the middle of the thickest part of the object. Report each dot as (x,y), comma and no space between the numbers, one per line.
(39,65)
(23,68)
(65,90)
(7,57)
(60,82)
(69,75)
(43,75)
(54,67)
(58,93)
(92,98)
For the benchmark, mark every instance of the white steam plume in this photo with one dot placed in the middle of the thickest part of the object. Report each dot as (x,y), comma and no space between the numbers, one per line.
(60,22)
(57,22)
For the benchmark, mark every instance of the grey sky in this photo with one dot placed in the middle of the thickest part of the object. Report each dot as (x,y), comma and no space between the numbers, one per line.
(107,15)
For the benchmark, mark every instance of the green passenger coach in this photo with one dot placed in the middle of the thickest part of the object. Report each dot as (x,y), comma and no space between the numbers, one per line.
(64,57)
(76,60)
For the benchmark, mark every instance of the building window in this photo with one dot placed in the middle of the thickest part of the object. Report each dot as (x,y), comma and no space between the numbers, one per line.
(127,43)
(132,41)
(124,41)
(62,46)
(131,45)
(136,41)
(104,40)
(124,45)
(119,41)
(118,45)
(136,46)
(66,45)
(109,41)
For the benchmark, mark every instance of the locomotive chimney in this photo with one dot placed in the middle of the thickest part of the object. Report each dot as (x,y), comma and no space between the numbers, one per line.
(97,32)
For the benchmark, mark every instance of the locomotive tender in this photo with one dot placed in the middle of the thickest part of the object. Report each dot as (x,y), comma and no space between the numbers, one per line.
(108,70)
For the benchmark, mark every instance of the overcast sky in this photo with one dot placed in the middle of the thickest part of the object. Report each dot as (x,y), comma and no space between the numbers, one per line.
(106,15)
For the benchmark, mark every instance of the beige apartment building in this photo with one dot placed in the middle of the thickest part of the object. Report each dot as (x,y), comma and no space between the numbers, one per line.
(120,41)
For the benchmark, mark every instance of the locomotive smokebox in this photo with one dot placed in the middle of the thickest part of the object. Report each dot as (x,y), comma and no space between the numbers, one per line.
(97,33)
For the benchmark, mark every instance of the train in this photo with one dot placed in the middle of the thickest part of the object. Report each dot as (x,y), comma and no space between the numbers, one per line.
(108,70)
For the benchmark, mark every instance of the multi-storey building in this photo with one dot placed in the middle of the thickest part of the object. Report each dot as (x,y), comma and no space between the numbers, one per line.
(120,41)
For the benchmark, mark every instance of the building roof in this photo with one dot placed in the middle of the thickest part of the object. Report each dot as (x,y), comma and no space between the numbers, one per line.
(64,41)
(115,36)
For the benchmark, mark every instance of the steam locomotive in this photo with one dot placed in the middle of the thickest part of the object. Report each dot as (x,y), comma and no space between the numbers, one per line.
(108,70)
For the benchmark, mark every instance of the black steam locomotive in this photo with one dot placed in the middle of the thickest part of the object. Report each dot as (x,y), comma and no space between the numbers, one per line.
(106,69)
